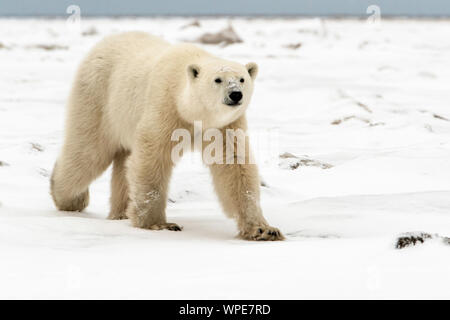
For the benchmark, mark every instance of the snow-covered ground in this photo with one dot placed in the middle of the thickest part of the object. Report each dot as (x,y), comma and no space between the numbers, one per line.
(373,101)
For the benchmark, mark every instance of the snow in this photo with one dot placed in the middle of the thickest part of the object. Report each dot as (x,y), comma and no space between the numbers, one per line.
(372,101)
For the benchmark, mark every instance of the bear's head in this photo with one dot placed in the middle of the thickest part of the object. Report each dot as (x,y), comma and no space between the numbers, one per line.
(217,92)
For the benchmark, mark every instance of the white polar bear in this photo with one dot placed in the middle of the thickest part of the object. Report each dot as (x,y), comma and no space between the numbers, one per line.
(130,93)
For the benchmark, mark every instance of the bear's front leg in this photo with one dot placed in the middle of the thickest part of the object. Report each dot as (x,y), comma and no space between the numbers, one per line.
(237,186)
(148,173)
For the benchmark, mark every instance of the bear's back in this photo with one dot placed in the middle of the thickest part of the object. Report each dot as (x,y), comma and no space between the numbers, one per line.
(129,46)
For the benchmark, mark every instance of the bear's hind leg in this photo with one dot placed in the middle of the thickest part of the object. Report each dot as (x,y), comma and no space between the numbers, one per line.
(72,175)
(119,188)
(74,203)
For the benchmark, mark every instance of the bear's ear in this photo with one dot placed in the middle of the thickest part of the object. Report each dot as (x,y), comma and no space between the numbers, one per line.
(252,69)
(193,71)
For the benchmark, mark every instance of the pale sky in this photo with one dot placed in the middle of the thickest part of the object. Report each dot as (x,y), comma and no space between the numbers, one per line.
(224,7)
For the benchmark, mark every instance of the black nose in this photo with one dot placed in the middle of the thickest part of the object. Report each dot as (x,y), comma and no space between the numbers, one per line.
(236,96)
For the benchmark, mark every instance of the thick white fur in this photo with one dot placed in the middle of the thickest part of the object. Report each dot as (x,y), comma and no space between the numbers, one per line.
(130,93)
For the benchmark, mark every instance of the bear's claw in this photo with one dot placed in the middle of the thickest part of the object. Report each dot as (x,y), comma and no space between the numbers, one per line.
(167,226)
(262,233)
(173,227)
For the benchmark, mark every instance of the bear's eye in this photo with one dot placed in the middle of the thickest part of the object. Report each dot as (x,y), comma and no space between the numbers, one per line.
(218,80)
(242,80)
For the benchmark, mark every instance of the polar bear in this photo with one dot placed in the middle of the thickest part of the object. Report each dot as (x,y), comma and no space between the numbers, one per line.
(130,93)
